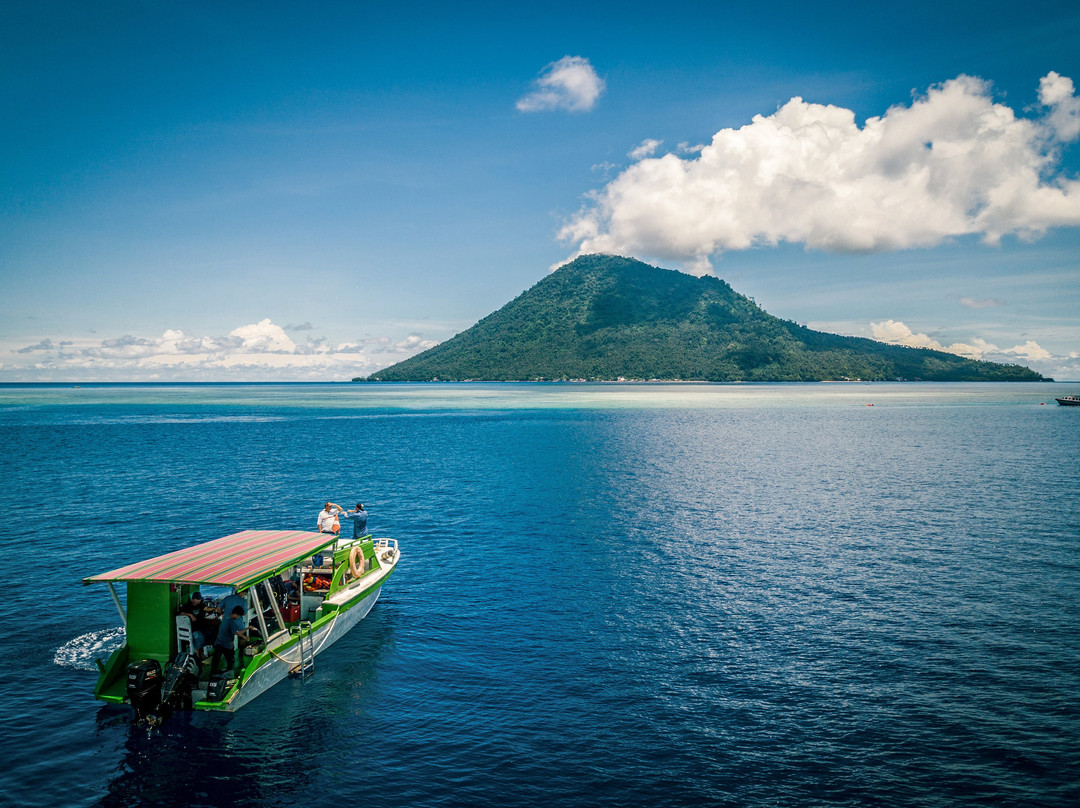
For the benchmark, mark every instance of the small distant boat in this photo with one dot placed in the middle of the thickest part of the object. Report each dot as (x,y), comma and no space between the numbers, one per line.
(1069,401)
(302,592)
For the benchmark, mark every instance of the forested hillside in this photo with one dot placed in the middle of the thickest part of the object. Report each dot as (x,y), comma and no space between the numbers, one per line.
(604,318)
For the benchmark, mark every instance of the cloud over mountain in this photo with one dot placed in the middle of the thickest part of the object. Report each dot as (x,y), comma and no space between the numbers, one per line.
(952,163)
(1029,353)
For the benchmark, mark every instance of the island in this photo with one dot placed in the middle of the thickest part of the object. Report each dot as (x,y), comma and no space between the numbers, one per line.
(610,318)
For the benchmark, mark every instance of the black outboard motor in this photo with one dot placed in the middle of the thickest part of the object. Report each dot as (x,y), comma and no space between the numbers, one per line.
(180,680)
(144,687)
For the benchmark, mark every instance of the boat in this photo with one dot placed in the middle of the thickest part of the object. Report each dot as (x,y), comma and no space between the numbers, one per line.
(302,590)
(1069,401)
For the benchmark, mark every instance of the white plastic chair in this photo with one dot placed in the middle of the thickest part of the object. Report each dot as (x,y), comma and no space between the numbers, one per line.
(185,636)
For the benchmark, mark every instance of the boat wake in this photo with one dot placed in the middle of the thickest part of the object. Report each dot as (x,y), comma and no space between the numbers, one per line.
(81,652)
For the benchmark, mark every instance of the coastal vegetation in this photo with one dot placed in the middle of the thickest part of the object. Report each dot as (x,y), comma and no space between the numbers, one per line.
(605,318)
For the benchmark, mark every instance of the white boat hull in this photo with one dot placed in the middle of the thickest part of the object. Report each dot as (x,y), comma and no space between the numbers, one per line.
(284,663)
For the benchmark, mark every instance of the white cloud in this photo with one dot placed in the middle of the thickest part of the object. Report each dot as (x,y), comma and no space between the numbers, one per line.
(647,148)
(1030,351)
(254,351)
(952,163)
(264,337)
(973,303)
(569,84)
(1057,93)
(413,344)
(897,333)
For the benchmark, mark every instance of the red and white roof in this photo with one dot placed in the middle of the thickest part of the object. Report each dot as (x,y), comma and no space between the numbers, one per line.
(238,560)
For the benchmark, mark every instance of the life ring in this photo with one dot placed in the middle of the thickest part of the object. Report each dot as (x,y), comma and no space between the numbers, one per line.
(356,561)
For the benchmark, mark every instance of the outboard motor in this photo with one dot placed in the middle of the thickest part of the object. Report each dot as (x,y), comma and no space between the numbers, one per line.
(218,686)
(144,687)
(180,680)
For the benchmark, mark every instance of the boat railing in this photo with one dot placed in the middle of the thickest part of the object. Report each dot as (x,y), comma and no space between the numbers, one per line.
(386,550)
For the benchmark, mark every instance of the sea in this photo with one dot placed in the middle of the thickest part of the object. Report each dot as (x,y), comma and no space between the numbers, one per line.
(843,594)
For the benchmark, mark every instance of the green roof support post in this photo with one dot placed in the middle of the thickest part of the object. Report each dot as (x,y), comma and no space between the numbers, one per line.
(116,600)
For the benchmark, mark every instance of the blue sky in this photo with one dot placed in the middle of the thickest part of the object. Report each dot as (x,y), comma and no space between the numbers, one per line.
(313,191)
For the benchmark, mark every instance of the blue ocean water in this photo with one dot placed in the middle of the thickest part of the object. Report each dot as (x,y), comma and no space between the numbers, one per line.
(730,595)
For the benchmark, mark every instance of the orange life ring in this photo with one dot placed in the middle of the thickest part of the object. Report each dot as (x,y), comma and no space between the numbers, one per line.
(356,555)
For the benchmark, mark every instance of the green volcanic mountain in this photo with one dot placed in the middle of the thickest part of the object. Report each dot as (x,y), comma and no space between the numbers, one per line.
(602,317)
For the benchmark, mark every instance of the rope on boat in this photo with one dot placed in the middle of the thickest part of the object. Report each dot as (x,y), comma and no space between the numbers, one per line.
(322,642)
(325,636)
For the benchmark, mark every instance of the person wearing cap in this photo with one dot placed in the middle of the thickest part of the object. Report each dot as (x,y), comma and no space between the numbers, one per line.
(202,625)
(358,519)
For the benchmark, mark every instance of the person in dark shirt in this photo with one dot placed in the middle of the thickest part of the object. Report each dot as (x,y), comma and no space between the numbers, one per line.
(358,519)
(231,626)
(203,623)
(229,602)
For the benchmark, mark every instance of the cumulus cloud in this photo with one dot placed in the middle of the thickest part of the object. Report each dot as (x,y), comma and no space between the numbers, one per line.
(647,148)
(950,164)
(263,337)
(1057,93)
(413,344)
(569,84)
(252,351)
(897,333)
(1030,350)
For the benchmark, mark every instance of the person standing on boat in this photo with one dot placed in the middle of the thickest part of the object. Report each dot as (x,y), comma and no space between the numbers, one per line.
(230,602)
(328,518)
(358,519)
(231,626)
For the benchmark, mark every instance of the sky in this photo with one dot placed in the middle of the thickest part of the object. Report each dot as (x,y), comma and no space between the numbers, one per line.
(268,191)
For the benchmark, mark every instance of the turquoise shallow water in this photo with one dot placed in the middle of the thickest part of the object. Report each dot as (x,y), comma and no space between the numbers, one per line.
(610,594)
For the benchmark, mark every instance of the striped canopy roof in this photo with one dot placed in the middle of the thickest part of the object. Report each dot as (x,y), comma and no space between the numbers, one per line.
(238,560)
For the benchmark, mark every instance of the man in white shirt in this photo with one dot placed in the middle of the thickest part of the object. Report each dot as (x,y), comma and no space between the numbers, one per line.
(328,518)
